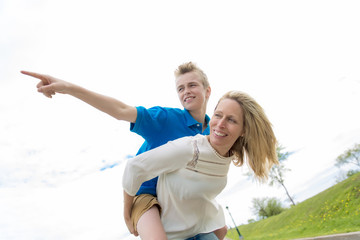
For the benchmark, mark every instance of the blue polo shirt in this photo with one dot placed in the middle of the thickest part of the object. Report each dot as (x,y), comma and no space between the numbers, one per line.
(158,125)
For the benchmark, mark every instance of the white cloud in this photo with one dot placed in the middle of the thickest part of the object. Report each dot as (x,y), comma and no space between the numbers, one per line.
(87,208)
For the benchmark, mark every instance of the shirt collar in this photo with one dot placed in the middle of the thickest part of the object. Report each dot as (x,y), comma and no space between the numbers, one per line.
(190,121)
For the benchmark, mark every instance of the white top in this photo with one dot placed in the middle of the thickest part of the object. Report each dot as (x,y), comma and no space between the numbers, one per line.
(191,174)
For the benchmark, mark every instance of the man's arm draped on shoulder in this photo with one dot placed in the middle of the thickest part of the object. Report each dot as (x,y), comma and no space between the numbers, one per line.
(49,85)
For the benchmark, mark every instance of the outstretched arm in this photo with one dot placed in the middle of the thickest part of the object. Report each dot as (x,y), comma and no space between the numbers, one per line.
(49,86)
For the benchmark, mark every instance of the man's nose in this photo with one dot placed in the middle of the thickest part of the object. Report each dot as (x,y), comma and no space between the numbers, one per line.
(186,90)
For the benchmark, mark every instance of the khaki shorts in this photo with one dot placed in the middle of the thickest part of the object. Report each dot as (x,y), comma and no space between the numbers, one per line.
(141,204)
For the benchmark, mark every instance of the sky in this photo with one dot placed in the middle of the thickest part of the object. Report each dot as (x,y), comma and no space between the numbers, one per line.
(61,161)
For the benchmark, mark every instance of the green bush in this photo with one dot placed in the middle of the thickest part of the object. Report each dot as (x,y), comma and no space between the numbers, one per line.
(266,207)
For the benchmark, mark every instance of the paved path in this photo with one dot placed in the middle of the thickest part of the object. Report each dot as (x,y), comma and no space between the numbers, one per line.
(342,236)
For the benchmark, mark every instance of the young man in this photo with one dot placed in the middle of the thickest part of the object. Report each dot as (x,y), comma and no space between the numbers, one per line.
(157,125)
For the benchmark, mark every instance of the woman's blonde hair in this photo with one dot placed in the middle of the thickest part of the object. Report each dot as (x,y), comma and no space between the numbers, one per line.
(258,143)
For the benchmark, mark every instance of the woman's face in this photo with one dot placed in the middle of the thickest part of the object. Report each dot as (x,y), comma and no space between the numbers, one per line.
(226,125)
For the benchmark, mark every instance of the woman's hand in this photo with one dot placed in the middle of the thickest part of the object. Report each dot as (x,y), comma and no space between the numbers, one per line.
(128,202)
(130,225)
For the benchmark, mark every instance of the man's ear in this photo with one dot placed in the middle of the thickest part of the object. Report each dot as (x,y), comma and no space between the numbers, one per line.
(208,92)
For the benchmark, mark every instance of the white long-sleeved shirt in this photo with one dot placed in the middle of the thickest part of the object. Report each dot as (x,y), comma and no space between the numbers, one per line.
(191,174)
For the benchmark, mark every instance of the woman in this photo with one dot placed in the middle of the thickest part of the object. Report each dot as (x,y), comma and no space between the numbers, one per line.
(193,170)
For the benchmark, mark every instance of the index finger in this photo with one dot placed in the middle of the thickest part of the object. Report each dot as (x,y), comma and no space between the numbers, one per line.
(42,77)
(32,74)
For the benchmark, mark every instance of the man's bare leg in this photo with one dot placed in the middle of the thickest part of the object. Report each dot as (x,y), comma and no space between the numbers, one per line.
(150,226)
(221,233)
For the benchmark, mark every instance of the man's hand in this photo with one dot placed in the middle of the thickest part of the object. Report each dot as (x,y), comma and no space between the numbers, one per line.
(48,85)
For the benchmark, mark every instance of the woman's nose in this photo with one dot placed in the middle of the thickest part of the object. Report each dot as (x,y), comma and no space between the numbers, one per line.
(221,123)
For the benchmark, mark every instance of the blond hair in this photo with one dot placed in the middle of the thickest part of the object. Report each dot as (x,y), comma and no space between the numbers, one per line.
(258,144)
(192,67)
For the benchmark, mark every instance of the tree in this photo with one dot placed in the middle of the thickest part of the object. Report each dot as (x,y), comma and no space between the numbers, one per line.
(266,207)
(351,172)
(273,207)
(350,156)
(258,207)
(277,171)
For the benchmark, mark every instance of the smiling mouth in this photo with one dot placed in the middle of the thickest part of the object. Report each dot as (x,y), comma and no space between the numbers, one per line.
(188,98)
(219,134)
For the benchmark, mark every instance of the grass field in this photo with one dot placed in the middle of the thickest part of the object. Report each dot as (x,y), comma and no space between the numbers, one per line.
(335,210)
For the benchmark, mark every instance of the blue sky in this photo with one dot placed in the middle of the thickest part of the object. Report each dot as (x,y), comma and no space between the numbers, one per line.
(300,60)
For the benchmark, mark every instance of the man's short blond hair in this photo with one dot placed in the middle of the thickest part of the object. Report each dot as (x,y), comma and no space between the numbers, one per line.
(192,67)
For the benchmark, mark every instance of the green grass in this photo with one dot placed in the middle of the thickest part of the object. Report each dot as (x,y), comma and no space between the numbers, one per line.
(335,210)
